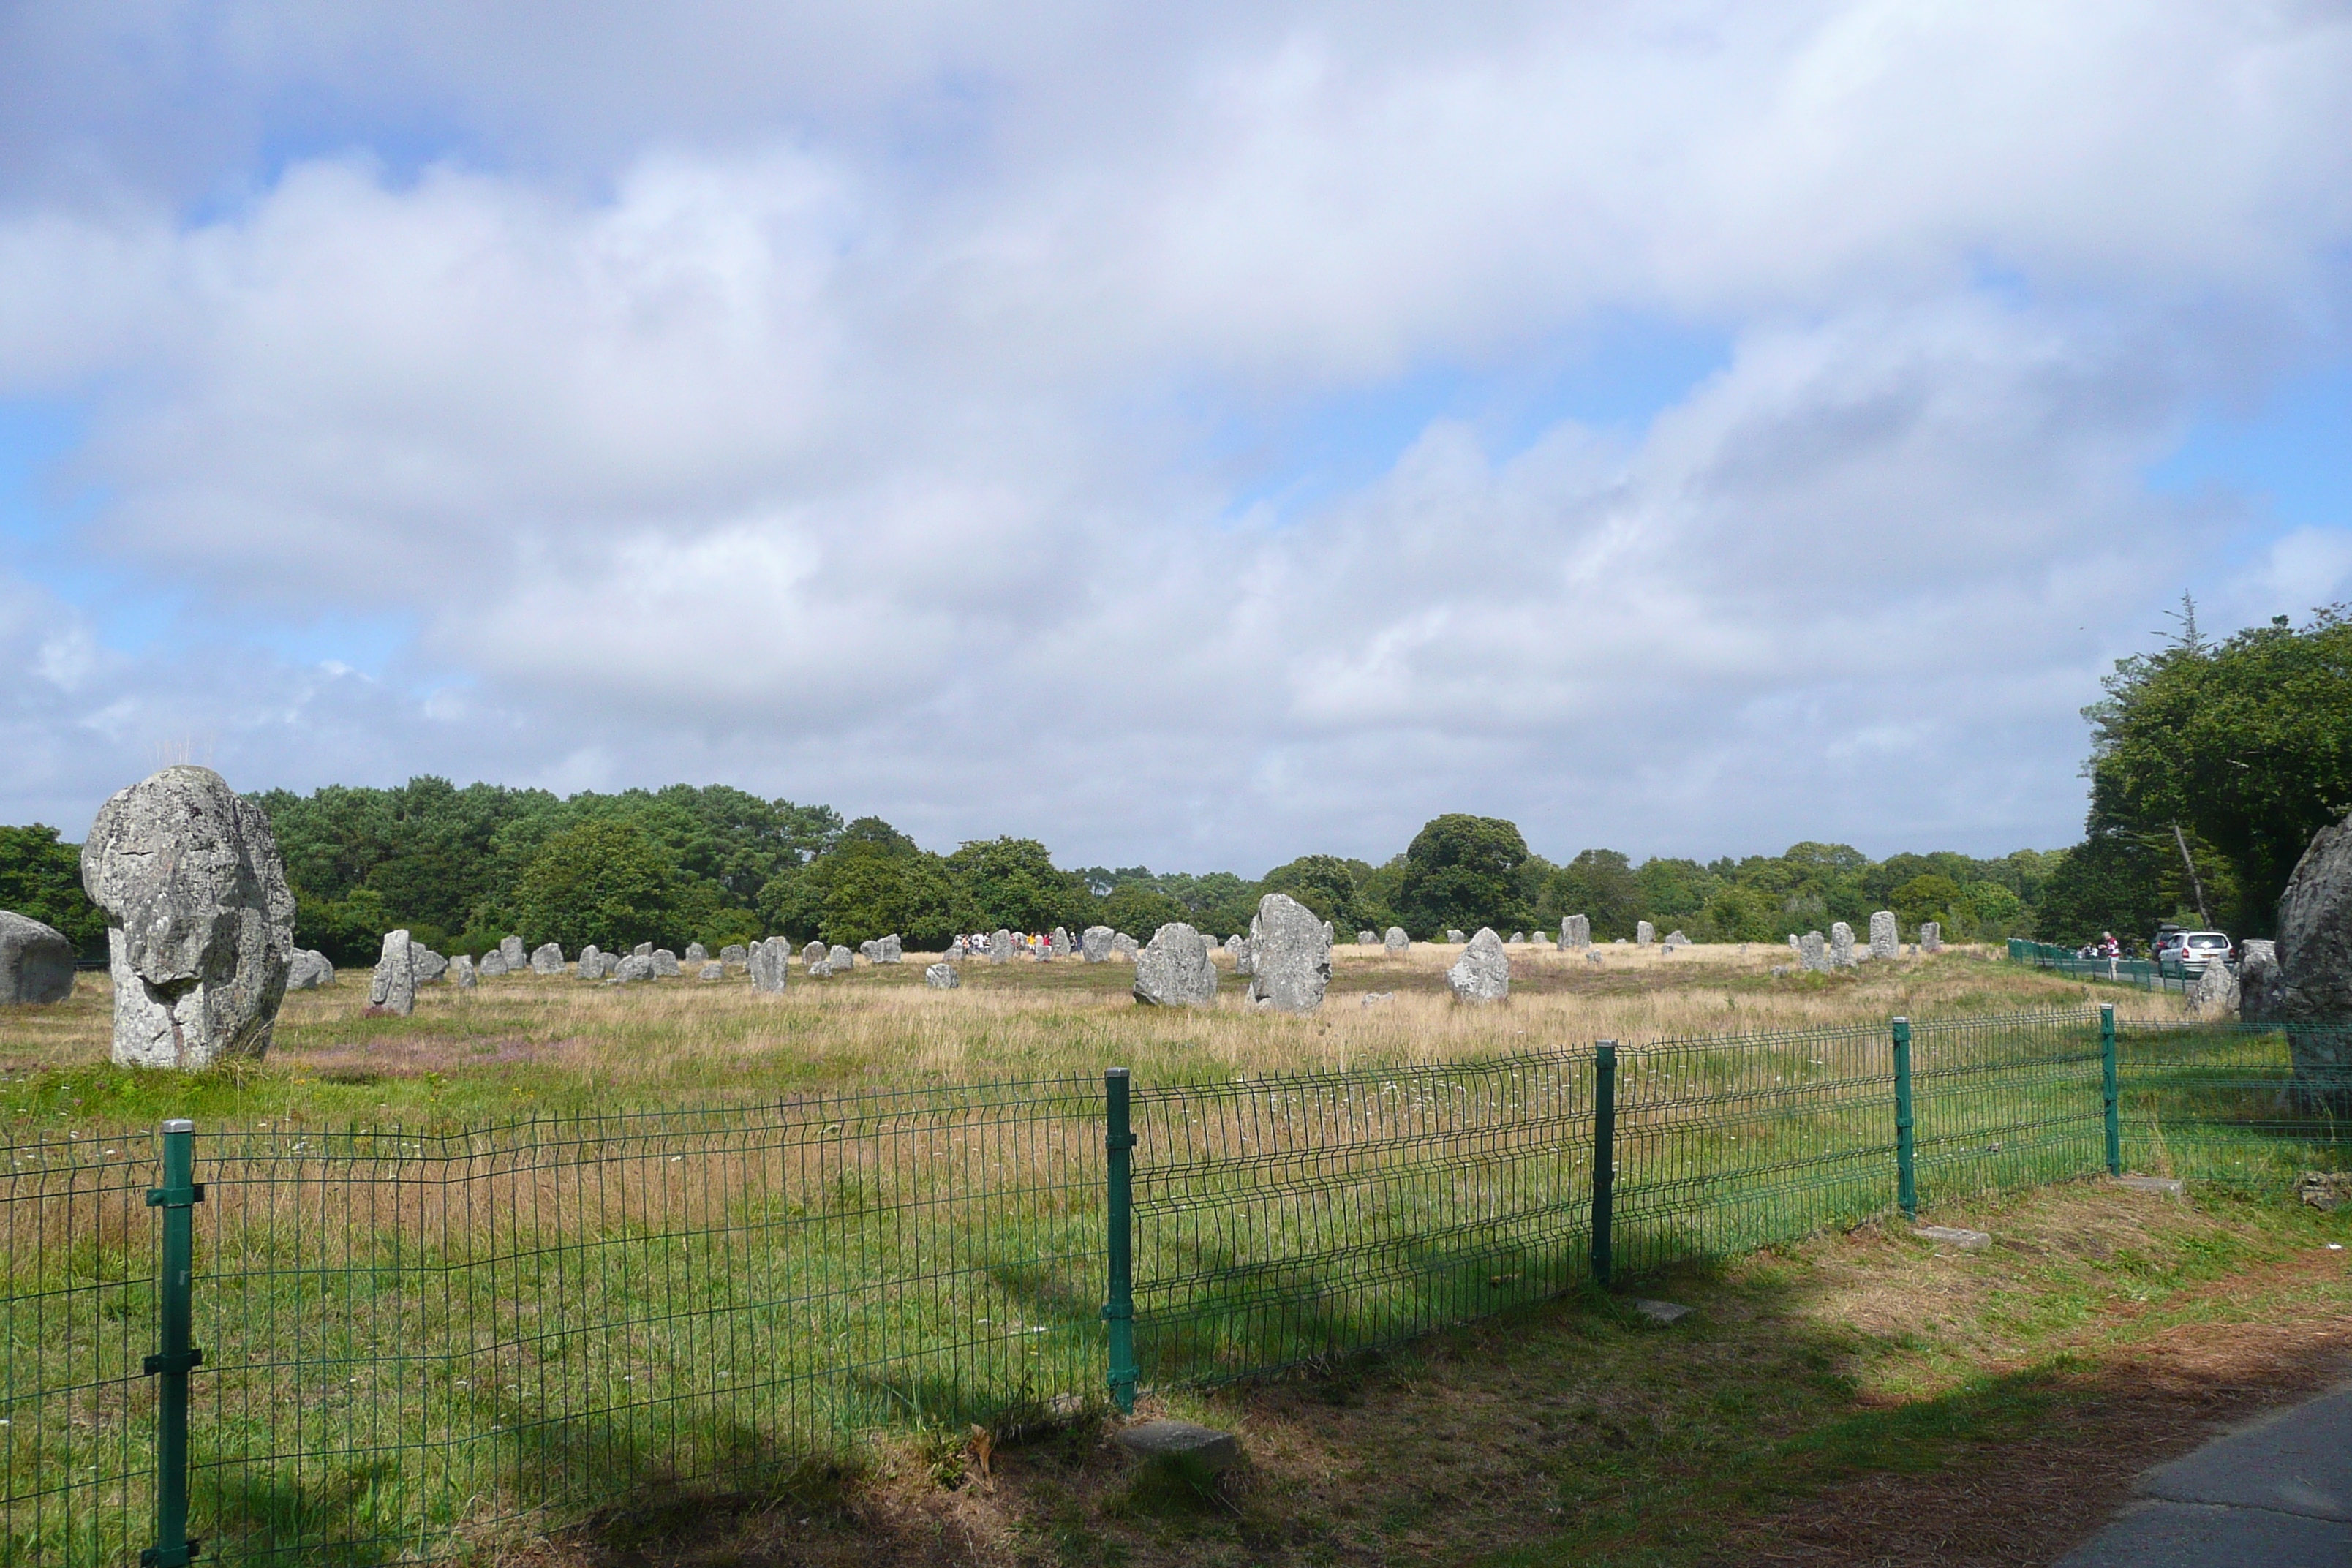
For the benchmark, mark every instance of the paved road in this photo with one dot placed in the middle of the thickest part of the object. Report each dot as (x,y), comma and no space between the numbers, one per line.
(2274,1495)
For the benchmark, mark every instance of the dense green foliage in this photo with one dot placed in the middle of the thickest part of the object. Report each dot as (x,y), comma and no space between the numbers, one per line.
(2211,766)
(462,868)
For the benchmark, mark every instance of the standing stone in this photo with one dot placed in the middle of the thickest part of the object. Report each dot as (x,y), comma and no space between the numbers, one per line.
(547,958)
(942,977)
(2313,985)
(866,950)
(1093,945)
(1125,946)
(821,970)
(695,953)
(637,966)
(1243,950)
(1575,932)
(1931,937)
(1174,968)
(664,963)
(307,971)
(1000,947)
(36,961)
(1644,933)
(511,951)
(842,959)
(1884,942)
(1519,939)
(1792,941)
(461,973)
(199,920)
(735,955)
(890,950)
(812,952)
(394,988)
(1395,941)
(1483,972)
(771,965)
(1366,939)
(1061,943)
(494,963)
(1841,945)
(592,961)
(426,964)
(713,970)
(1813,953)
(1676,939)
(2215,994)
(642,950)
(2258,978)
(1455,937)
(1291,956)
(1329,935)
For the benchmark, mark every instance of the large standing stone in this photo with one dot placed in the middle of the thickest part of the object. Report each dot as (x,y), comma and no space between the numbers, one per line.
(642,950)
(842,959)
(890,950)
(664,963)
(2314,982)
(1094,946)
(1813,953)
(1676,939)
(942,977)
(1174,968)
(1575,932)
(1841,945)
(1483,972)
(199,920)
(592,961)
(1644,933)
(1931,937)
(812,952)
(1124,945)
(1884,942)
(37,961)
(494,963)
(637,966)
(712,969)
(2214,995)
(1000,947)
(511,951)
(866,950)
(308,969)
(394,988)
(1291,956)
(735,955)
(1455,938)
(461,973)
(1395,941)
(427,964)
(1059,944)
(695,953)
(821,970)
(771,965)
(547,958)
(1366,939)
(2258,977)
(1244,950)
(1520,938)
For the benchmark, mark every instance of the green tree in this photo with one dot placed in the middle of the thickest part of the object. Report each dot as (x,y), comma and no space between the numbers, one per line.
(1460,872)
(1012,883)
(1138,909)
(1598,884)
(40,878)
(1325,884)
(606,882)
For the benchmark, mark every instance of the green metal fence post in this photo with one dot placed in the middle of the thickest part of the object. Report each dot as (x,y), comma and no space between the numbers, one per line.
(2112,1091)
(1906,1185)
(1118,1310)
(176,1357)
(1604,1158)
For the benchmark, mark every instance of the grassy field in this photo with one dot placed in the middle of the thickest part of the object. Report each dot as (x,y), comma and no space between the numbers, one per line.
(522,1045)
(549,1241)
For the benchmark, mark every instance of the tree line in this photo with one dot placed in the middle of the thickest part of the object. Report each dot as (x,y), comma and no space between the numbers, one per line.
(461,868)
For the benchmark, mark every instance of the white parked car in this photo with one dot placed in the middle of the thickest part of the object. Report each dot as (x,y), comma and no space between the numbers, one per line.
(2194,950)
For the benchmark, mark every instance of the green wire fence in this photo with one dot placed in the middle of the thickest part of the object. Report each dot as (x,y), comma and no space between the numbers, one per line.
(2148,974)
(375,1346)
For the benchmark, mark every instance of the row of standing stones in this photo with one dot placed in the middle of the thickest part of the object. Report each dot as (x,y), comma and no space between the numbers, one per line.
(200,918)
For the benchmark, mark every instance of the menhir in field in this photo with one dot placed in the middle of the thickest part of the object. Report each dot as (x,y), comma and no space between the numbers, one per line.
(2311,990)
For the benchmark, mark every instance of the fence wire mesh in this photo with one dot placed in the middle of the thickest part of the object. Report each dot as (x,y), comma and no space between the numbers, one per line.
(2148,974)
(2251,1105)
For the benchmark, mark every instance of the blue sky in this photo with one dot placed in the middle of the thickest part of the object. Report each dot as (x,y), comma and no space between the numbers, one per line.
(1190,437)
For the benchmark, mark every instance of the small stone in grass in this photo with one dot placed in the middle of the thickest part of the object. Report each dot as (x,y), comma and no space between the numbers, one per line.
(1166,1439)
(1953,1236)
(1662,1312)
(2169,1186)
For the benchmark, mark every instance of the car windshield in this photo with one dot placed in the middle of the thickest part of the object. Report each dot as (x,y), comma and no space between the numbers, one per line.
(2209,938)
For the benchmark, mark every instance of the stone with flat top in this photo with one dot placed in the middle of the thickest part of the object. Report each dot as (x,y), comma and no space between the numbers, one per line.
(1954,1236)
(1170,1440)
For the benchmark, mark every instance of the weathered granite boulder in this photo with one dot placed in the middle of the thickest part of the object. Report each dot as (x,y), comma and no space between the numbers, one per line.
(821,970)
(393,987)
(1394,940)
(1455,937)
(812,952)
(695,953)
(1644,933)
(307,969)
(1813,953)
(1093,945)
(1931,937)
(1841,945)
(1058,944)
(494,963)
(1676,939)
(637,966)
(1483,972)
(1576,932)
(1291,956)
(664,963)
(199,920)
(735,955)
(1366,938)
(2313,985)
(842,959)
(2258,977)
(427,964)
(1174,968)
(866,950)
(713,970)
(547,958)
(1243,950)
(942,977)
(2214,993)
(592,965)
(642,950)
(461,973)
(510,950)
(771,962)
(1125,946)
(1884,942)
(36,961)
(1000,947)
(1519,939)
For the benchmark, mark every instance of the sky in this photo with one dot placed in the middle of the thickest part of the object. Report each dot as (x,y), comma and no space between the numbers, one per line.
(1193,436)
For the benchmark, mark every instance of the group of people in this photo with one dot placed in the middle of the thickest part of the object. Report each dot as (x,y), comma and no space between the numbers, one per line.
(977,942)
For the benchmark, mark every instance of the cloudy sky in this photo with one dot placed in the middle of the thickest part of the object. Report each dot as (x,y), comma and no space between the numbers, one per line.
(1188,434)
